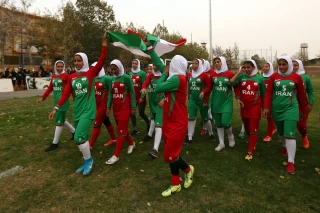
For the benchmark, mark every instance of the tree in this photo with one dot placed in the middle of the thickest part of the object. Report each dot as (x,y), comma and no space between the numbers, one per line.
(217,51)
(229,55)
(160,31)
(95,17)
(259,61)
(236,53)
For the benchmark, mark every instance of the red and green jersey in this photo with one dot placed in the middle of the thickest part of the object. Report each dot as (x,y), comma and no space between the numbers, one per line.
(251,91)
(222,96)
(266,81)
(175,115)
(308,88)
(57,85)
(153,97)
(286,96)
(138,80)
(195,87)
(82,86)
(122,97)
(101,88)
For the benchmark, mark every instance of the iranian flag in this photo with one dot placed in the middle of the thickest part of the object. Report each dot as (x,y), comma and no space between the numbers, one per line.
(133,42)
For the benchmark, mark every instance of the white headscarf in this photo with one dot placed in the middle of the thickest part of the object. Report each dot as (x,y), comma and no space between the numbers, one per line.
(178,66)
(199,71)
(301,70)
(290,66)
(224,66)
(101,73)
(206,66)
(270,72)
(85,67)
(55,69)
(138,68)
(155,73)
(255,71)
(120,66)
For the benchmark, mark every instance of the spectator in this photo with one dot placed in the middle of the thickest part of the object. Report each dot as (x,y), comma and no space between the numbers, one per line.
(13,76)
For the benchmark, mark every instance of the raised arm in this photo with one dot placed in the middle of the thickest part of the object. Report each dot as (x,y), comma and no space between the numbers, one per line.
(94,71)
(156,60)
(170,85)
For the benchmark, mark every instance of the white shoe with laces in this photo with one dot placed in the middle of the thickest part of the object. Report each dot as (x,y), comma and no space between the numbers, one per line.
(231,141)
(219,147)
(112,160)
(130,148)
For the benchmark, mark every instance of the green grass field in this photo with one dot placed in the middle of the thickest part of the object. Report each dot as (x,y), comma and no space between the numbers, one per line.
(224,182)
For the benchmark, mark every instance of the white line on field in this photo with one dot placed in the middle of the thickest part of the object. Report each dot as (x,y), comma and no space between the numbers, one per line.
(10,171)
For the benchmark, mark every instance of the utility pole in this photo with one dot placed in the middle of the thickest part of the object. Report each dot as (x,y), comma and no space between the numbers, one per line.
(210,32)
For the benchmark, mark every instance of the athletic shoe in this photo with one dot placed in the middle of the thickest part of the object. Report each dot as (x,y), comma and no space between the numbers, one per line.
(187,142)
(211,137)
(290,168)
(51,147)
(112,160)
(130,148)
(248,157)
(153,153)
(284,151)
(241,135)
(188,178)
(134,132)
(110,143)
(80,170)
(231,141)
(171,190)
(203,132)
(219,147)
(274,131)
(147,138)
(87,166)
(72,137)
(267,139)
(305,142)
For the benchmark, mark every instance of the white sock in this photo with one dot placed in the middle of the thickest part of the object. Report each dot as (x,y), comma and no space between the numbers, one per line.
(291,149)
(85,149)
(283,141)
(157,138)
(191,126)
(221,135)
(69,126)
(209,112)
(209,127)
(151,129)
(57,134)
(242,128)
(229,132)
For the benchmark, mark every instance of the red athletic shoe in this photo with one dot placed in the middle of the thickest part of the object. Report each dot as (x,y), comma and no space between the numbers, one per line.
(204,131)
(267,139)
(274,131)
(305,142)
(284,151)
(110,142)
(290,168)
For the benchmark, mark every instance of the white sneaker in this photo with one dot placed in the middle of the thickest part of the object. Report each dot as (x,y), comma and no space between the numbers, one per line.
(112,160)
(231,141)
(219,147)
(130,148)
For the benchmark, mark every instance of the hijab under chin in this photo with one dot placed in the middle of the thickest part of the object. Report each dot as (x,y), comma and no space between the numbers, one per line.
(178,66)
(270,72)
(290,66)
(224,66)
(85,67)
(118,63)
(138,68)
(301,70)
(55,68)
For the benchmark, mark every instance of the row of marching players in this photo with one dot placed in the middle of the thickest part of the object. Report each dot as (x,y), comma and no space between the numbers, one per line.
(96,94)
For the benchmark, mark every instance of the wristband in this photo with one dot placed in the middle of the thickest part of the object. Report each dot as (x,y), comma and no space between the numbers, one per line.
(150,48)
(56,108)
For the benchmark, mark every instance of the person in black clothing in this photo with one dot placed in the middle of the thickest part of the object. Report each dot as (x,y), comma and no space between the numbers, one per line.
(19,77)
(13,76)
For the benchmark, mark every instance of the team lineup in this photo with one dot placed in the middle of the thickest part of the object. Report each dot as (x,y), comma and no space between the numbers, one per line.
(175,94)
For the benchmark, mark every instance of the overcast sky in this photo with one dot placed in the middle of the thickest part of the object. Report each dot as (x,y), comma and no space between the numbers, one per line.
(252,24)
